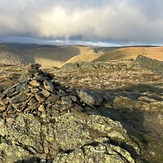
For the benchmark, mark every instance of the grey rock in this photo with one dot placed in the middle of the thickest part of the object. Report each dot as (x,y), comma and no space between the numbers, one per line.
(40,97)
(25,77)
(68,137)
(151,64)
(51,99)
(22,87)
(22,96)
(89,97)
(32,101)
(66,102)
(34,66)
(69,67)
(48,85)
(1,88)
(74,98)
(45,93)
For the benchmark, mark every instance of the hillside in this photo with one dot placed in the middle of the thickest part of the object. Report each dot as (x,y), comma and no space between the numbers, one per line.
(10,56)
(55,56)
(87,54)
(132,53)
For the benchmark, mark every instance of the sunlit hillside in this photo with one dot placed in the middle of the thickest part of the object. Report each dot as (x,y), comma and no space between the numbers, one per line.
(132,53)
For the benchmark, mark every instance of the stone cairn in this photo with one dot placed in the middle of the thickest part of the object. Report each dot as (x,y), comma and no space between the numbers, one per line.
(37,93)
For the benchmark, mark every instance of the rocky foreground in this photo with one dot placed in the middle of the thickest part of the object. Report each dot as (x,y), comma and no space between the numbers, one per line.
(96,112)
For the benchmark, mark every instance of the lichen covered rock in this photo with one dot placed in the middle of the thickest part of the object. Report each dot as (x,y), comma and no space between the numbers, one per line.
(68,137)
(89,97)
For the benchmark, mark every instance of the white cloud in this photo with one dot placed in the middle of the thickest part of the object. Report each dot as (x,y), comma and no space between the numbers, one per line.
(92,20)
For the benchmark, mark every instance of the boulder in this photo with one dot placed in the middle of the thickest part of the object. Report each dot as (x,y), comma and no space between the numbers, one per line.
(89,97)
(69,137)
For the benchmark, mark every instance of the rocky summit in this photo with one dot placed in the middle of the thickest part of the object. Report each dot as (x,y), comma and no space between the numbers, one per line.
(43,121)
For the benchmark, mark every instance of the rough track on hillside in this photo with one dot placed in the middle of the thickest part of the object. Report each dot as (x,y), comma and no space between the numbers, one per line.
(44,121)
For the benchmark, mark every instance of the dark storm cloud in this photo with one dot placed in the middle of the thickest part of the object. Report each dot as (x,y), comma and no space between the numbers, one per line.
(119,21)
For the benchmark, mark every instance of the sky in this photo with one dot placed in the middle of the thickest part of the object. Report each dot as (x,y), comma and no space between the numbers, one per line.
(90,22)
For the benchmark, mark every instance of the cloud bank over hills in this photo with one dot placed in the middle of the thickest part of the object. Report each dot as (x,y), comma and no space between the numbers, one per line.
(52,21)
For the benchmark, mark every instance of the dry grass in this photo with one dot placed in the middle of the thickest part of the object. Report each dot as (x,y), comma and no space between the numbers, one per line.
(132,53)
(87,54)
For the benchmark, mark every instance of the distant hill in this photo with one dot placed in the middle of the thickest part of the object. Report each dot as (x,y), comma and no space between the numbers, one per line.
(131,53)
(55,56)
(86,54)
(10,56)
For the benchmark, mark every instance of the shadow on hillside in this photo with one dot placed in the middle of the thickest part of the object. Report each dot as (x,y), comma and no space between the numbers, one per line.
(60,53)
(139,123)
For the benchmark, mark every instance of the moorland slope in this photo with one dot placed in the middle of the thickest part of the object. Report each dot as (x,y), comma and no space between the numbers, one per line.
(131,53)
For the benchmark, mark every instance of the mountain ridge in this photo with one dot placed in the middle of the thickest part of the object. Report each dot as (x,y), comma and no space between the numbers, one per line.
(131,53)
(56,56)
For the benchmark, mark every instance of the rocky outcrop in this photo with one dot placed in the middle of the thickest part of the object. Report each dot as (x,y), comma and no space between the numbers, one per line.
(96,66)
(151,64)
(44,121)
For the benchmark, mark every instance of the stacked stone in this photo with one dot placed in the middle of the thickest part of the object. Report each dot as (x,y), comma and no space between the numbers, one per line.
(36,92)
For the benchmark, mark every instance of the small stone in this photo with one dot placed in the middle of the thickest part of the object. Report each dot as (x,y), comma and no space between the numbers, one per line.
(76,108)
(48,85)
(45,93)
(46,150)
(17,106)
(41,109)
(35,83)
(66,102)
(62,93)
(2,108)
(59,102)
(32,101)
(74,98)
(34,90)
(6,100)
(14,93)
(22,87)
(11,91)
(51,99)
(25,77)
(22,96)
(34,66)
(40,97)
(34,72)
(30,108)
(1,102)
(39,77)
(42,161)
